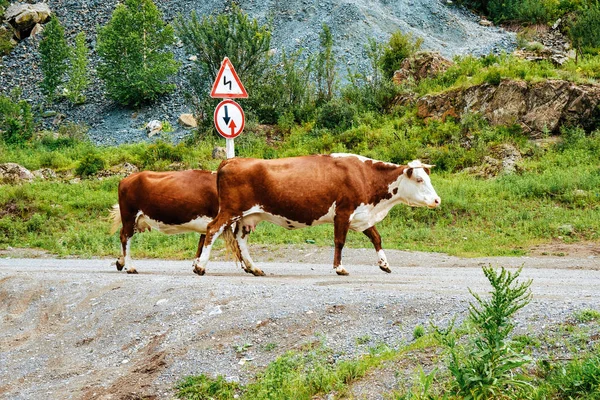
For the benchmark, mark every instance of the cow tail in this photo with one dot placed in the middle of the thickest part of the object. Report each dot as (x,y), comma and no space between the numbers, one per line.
(115,215)
(232,245)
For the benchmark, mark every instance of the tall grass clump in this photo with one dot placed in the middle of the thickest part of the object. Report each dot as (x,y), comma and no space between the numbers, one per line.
(486,366)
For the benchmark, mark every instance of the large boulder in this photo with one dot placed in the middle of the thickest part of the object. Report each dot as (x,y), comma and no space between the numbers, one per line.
(24,17)
(537,107)
(421,65)
(14,173)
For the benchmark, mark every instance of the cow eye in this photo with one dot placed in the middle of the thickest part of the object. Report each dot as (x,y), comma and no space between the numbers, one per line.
(419,180)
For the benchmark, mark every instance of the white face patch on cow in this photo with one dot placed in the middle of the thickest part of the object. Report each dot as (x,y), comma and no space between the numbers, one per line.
(142,222)
(416,190)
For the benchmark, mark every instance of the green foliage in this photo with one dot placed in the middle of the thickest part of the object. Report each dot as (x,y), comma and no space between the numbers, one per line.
(325,66)
(485,367)
(336,115)
(160,154)
(90,165)
(294,375)
(578,379)
(587,315)
(232,35)
(16,119)
(6,39)
(585,30)
(54,53)
(203,388)
(136,64)
(399,47)
(419,331)
(369,89)
(285,94)
(78,72)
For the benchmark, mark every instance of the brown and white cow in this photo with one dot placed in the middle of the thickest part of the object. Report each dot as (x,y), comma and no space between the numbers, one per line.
(169,202)
(350,191)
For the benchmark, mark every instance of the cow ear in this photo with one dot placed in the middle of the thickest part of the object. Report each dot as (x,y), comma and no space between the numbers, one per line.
(408,172)
(427,171)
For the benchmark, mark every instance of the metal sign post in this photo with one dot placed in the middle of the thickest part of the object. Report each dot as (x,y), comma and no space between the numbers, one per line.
(229,116)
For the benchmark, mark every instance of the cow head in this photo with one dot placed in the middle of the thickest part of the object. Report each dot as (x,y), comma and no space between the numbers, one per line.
(415,188)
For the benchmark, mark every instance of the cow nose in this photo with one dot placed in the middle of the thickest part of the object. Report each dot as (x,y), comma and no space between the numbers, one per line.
(437,201)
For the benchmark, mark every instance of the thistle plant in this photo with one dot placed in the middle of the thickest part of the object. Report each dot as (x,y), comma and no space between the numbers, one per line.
(487,366)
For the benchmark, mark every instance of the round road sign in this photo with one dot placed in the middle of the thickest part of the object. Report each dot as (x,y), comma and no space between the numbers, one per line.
(229,119)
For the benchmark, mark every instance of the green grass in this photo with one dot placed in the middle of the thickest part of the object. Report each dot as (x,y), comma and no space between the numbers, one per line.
(298,374)
(555,197)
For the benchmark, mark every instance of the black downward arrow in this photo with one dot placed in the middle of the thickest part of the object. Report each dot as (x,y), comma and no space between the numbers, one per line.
(226,117)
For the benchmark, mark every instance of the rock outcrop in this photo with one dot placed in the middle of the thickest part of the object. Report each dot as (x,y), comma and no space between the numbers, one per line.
(14,173)
(421,65)
(537,107)
(24,18)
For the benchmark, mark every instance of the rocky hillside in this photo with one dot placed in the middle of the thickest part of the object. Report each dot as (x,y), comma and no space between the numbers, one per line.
(296,25)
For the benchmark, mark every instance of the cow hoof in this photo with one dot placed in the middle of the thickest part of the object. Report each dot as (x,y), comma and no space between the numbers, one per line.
(199,271)
(385,268)
(131,271)
(119,265)
(341,271)
(257,272)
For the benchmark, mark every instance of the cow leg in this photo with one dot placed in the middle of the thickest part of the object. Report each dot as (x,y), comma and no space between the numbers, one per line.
(376,240)
(125,259)
(341,224)
(247,263)
(213,230)
(199,251)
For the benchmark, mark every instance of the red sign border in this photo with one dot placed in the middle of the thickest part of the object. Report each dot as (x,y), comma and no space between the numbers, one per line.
(221,104)
(213,92)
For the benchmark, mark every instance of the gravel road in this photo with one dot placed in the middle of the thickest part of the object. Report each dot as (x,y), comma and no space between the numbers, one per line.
(78,329)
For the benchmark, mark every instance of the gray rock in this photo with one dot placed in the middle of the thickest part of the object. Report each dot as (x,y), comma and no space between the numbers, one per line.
(14,173)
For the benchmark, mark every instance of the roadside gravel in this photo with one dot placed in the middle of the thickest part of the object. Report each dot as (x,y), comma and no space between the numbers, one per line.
(78,329)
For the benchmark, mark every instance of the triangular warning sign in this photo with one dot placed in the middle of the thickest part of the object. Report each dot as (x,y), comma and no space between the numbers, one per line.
(228,84)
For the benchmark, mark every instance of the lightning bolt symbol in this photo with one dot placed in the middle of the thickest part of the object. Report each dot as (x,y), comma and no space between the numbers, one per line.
(226,82)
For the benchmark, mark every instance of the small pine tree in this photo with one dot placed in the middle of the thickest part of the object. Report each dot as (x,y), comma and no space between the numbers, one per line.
(325,67)
(135,63)
(54,53)
(78,74)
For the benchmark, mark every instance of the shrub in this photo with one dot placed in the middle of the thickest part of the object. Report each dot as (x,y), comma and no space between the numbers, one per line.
(6,39)
(369,89)
(134,61)
(16,119)
(336,115)
(89,165)
(233,35)
(54,53)
(399,47)
(585,31)
(78,76)
(163,151)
